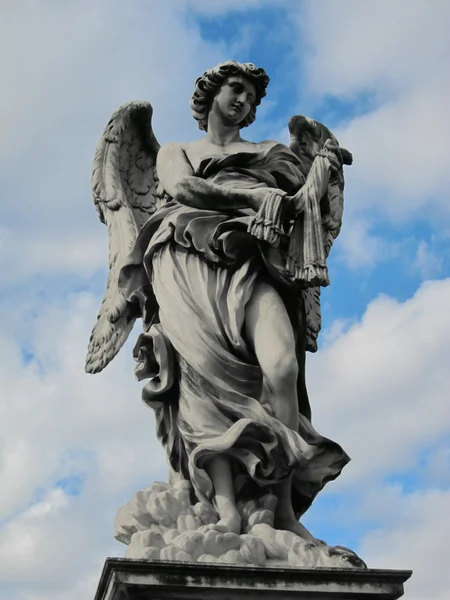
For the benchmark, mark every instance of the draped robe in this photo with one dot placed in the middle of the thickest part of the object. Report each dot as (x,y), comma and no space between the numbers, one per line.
(192,272)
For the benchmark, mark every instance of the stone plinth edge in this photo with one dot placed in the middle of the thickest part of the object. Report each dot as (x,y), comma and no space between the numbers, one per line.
(132,579)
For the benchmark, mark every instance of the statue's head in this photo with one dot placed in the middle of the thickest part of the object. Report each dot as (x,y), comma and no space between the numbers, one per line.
(211,82)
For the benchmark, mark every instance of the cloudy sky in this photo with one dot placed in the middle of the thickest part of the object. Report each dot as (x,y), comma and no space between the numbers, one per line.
(74,447)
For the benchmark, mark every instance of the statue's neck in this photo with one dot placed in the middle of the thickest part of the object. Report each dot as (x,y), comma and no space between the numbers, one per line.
(220,133)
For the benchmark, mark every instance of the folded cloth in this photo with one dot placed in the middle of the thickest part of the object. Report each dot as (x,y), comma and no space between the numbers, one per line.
(306,260)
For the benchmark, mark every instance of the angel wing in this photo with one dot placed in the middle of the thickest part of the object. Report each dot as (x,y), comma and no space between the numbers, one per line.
(124,188)
(307,138)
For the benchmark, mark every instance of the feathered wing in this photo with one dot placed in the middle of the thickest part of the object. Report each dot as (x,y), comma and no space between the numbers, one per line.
(307,139)
(124,188)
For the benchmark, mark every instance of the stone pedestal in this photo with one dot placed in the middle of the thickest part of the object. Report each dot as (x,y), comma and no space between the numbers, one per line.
(128,579)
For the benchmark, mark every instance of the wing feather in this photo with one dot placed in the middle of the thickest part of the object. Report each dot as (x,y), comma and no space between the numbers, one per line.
(124,192)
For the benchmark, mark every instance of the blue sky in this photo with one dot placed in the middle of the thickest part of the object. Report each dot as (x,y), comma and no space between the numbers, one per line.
(73,447)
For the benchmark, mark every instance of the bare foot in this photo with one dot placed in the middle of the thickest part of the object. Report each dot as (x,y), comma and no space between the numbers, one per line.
(231,523)
(291,524)
(230,519)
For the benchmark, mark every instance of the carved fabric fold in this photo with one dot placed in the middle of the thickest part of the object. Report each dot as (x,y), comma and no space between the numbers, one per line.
(194,270)
(216,409)
(306,260)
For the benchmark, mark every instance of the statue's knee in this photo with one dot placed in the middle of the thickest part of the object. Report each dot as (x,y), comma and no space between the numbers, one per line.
(284,370)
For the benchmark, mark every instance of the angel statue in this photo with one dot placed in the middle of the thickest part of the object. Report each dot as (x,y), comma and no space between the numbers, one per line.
(220,246)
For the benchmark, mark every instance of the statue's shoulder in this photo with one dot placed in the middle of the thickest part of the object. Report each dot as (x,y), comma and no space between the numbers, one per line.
(169,153)
(269,143)
(172,147)
(273,145)
(264,145)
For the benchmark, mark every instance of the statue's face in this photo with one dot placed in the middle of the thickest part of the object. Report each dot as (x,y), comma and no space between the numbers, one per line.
(235,99)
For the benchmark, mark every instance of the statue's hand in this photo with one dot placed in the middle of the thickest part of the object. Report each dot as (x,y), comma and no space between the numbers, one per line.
(258,195)
(317,178)
(295,204)
(336,156)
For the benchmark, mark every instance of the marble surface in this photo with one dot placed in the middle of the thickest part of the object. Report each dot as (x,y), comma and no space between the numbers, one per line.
(161,522)
(220,246)
(125,579)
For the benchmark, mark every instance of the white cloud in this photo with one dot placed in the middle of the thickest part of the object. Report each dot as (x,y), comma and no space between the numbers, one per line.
(427,263)
(415,538)
(337,328)
(363,47)
(359,247)
(85,587)
(400,150)
(54,410)
(378,386)
(66,70)
(58,423)
(393,60)
(381,388)
(24,254)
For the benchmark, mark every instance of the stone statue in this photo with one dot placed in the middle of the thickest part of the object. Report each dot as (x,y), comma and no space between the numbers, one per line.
(220,246)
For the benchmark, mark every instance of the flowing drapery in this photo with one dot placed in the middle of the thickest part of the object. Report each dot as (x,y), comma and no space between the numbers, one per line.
(196,270)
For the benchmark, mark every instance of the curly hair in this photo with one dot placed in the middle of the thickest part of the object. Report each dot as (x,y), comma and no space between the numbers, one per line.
(207,86)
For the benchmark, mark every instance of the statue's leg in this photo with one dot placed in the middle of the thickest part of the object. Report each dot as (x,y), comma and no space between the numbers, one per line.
(269,329)
(284,513)
(219,470)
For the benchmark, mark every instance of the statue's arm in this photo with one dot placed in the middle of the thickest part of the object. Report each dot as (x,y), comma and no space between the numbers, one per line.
(177,178)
